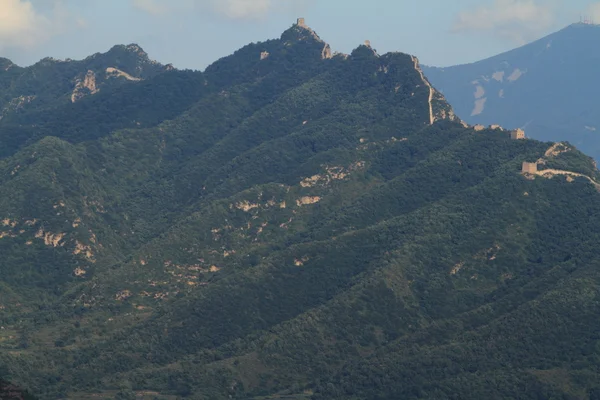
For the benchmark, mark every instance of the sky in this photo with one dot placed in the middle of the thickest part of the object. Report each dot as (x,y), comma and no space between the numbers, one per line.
(194,33)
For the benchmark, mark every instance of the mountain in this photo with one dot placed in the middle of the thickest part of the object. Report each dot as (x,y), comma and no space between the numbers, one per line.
(50,79)
(548,87)
(293,223)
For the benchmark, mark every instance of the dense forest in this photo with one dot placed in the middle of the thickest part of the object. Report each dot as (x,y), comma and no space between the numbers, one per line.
(287,224)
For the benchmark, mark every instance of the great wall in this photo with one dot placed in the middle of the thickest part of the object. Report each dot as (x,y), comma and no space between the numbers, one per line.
(531,169)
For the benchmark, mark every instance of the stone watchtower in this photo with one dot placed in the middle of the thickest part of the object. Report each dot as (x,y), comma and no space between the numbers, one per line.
(517,134)
(301,23)
(529,168)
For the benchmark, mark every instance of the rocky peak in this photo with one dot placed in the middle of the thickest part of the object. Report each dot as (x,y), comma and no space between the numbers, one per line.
(363,51)
(300,31)
(6,64)
(131,59)
(50,61)
(131,50)
(134,48)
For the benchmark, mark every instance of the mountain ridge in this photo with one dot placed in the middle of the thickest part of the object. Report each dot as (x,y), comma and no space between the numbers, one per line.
(527,87)
(295,225)
(576,25)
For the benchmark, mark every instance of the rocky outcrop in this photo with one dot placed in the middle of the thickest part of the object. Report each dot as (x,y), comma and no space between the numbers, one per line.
(326,53)
(85,86)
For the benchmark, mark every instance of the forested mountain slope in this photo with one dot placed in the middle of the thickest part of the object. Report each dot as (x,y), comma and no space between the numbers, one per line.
(9,391)
(300,224)
(548,87)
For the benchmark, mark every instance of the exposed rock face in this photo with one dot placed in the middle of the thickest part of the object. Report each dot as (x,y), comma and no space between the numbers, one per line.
(326,53)
(307,200)
(85,86)
(16,104)
(50,239)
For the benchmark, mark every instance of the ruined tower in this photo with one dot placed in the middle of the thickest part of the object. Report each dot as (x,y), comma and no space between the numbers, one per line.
(529,168)
(326,53)
(517,134)
(301,23)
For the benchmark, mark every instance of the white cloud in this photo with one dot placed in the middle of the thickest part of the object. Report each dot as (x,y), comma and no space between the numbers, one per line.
(232,9)
(23,26)
(20,24)
(517,20)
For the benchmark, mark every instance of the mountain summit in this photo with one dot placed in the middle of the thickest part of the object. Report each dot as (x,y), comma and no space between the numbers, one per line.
(51,80)
(549,87)
(291,223)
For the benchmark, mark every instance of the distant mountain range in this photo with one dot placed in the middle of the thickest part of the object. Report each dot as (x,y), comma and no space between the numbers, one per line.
(290,223)
(549,87)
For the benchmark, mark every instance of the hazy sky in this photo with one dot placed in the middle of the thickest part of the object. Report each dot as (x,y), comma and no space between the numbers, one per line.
(194,33)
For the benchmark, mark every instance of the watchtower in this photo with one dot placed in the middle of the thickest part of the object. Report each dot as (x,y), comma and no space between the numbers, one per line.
(517,134)
(301,23)
(529,168)
(368,43)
